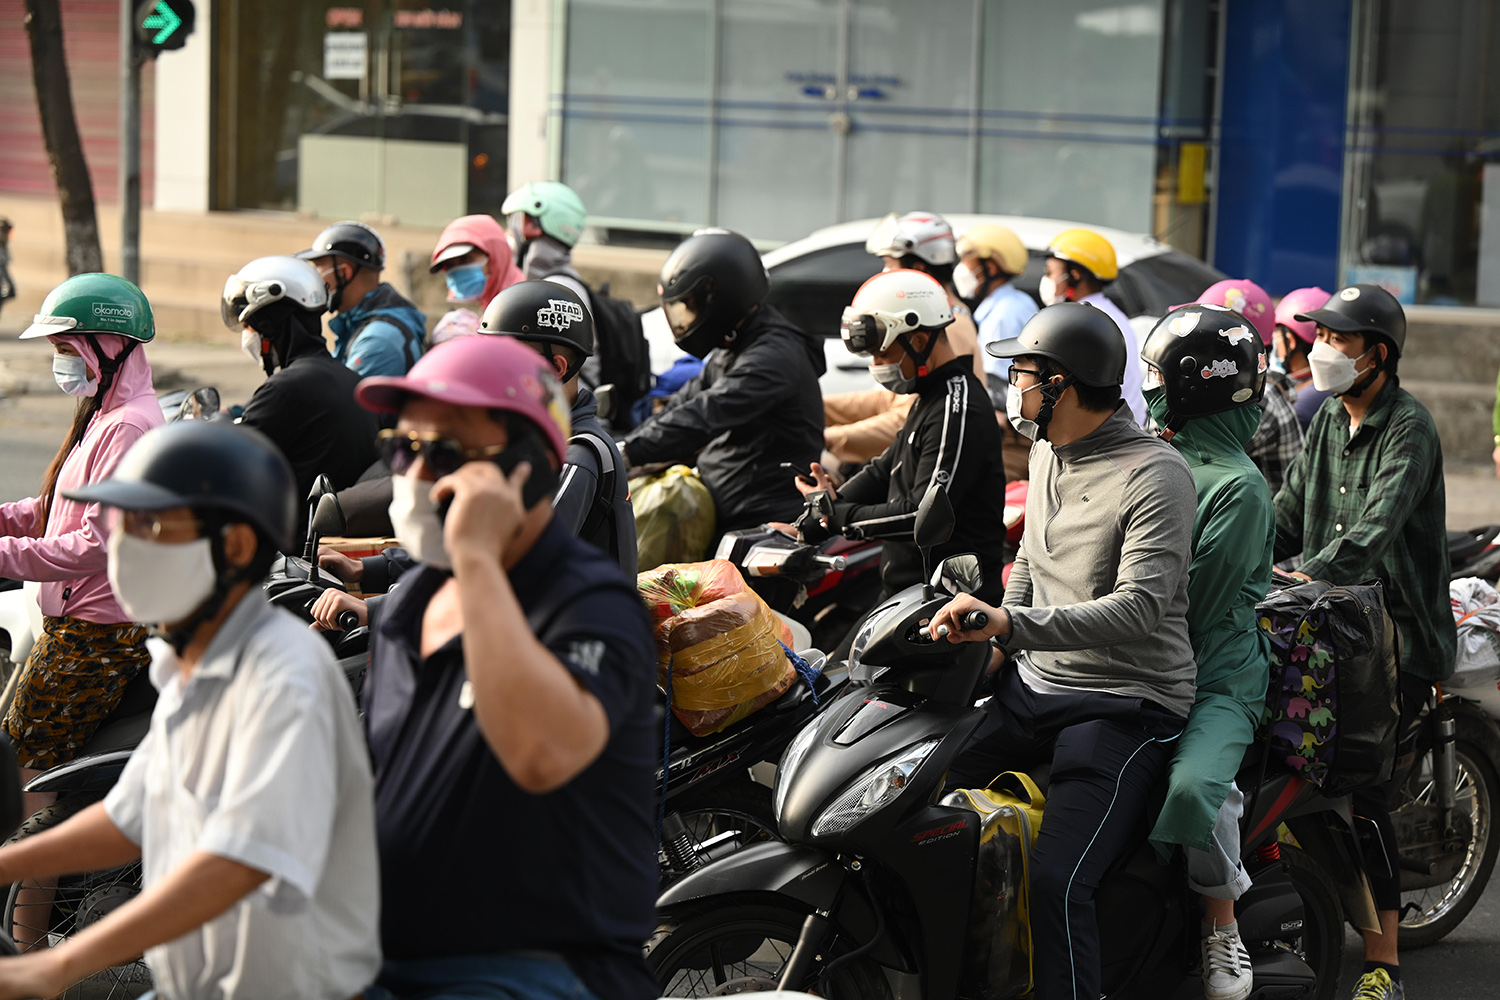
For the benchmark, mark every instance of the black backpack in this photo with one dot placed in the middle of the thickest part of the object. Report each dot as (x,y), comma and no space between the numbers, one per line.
(620,342)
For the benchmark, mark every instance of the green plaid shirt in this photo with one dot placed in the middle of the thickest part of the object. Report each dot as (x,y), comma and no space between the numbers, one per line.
(1373,507)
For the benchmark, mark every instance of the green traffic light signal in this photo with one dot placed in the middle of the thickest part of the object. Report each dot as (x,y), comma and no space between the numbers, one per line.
(164,24)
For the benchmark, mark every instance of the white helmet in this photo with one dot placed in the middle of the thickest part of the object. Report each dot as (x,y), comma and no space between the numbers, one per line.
(890,304)
(271,279)
(925,235)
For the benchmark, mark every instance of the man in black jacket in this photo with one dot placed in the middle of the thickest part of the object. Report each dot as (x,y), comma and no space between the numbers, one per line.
(950,438)
(306,404)
(756,404)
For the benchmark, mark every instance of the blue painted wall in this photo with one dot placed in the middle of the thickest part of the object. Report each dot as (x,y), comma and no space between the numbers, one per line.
(1281,154)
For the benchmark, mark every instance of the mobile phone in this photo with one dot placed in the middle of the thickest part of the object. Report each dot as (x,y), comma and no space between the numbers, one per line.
(801,476)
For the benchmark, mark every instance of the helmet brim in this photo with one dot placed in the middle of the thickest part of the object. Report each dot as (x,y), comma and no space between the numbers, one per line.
(388,393)
(128,495)
(450,252)
(1012,348)
(1335,321)
(50,326)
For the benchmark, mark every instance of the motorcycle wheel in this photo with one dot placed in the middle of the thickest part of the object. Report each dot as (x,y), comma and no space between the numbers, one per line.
(720,821)
(1441,908)
(1322,945)
(82,900)
(719,950)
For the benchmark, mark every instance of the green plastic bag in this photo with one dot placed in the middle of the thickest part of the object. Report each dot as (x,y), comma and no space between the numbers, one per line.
(674,517)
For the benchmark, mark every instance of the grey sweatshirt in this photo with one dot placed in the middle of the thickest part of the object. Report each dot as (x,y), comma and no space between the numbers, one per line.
(1098,595)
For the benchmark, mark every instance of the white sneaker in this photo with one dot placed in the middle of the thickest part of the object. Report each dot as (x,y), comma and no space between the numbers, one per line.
(1226,965)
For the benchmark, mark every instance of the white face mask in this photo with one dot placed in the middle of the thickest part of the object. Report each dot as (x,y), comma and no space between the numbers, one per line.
(890,377)
(160,584)
(1024,426)
(965,282)
(250,344)
(1333,371)
(415,521)
(1050,291)
(72,375)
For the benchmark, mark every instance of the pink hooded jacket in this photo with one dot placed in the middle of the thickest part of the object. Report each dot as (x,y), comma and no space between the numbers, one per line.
(488,235)
(71,557)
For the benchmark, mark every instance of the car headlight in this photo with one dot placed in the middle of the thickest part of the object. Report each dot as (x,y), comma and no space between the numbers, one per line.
(871,791)
(795,751)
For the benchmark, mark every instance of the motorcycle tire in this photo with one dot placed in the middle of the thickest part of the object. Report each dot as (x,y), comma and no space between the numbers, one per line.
(1441,908)
(725,817)
(717,950)
(1322,945)
(82,900)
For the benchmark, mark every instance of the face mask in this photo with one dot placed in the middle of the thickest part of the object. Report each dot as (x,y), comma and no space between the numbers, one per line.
(160,584)
(890,377)
(415,520)
(1050,291)
(1023,426)
(1278,363)
(72,375)
(465,282)
(1332,370)
(965,282)
(250,344)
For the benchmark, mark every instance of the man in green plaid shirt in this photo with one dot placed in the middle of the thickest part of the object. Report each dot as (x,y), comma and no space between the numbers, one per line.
(1365,501)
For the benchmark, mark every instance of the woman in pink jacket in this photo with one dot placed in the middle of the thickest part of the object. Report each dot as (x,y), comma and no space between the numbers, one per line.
(88,650)
(478,263)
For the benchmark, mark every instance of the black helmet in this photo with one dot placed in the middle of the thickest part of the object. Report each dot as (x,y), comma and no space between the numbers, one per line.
(1362,309)
(710,283)
(353,241)
(1210,360)
(542,311)
(205,465)
(1080,338)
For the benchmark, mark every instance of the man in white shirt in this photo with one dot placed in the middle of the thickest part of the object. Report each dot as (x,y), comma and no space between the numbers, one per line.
(1080,263)
(989,256)
(249,801)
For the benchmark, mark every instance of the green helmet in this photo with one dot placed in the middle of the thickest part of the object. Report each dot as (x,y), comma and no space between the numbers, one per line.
(94,303)
(556,208)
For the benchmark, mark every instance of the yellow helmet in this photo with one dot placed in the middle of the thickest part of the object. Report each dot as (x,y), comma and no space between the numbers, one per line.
(992,242)
(1086,248)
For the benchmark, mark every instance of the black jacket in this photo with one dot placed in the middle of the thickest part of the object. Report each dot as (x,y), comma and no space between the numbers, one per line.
(606,521)
(755,405)
(307,409)
(950,437)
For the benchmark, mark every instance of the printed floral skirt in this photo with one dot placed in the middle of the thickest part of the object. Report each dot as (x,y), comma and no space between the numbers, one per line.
(73,678)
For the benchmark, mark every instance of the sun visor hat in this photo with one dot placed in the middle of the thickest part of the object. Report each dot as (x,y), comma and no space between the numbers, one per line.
(449,253)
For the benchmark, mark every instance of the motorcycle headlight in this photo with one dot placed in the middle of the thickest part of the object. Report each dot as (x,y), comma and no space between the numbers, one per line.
(872,791)
(861,640)
(795,751)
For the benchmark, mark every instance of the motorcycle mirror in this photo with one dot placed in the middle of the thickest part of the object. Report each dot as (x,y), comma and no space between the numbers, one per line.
(329,518)
(959,574)
(605,396)
(202,404)
(320,486)
(934,518)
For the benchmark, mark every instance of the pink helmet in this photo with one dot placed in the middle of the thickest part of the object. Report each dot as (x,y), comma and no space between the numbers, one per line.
(1246,298)
(494,373)
(1301,300)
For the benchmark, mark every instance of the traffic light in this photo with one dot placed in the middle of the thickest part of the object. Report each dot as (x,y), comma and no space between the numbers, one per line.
(163,24)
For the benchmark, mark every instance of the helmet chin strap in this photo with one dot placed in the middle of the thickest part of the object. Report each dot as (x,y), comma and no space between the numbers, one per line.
(108,366)
(1051,393)
(919,357)
(1173,425)
(1357,389)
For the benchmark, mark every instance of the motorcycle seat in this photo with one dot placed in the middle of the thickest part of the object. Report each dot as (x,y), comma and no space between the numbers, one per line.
(126,726)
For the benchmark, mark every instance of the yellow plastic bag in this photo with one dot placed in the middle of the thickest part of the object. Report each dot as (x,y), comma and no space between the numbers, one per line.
(718,640)
(674,517)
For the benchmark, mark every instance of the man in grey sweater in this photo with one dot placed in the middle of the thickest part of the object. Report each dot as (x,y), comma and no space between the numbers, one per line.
(1102,675)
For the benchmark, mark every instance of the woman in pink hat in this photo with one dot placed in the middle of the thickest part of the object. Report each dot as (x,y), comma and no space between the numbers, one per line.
(1294,338)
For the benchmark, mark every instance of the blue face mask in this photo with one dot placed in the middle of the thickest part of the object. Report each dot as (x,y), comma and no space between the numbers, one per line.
(465,282)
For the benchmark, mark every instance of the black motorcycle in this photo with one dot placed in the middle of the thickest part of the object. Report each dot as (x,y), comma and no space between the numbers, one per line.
(880,874)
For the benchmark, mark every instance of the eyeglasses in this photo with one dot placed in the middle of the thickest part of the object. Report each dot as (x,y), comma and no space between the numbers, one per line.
(151,525)
(1018,370)
(443,455)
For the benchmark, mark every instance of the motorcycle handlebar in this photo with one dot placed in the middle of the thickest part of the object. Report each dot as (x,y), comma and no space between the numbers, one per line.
(348,620)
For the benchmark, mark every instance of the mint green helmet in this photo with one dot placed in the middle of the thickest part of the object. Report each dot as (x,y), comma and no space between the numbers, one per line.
(556,208)
(94,303)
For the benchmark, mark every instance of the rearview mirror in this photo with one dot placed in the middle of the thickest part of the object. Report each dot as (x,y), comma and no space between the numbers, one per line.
(605,397)
(934,518)
(329,518)
(959,574)
(202,404)
(320,486)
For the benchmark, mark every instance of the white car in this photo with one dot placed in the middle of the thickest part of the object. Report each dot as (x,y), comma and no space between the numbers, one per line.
(814,278)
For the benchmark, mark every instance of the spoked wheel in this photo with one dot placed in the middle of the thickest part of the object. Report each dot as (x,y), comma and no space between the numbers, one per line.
(78,901)
(722,950)
(1322,943)
(723,820)
(1430,912)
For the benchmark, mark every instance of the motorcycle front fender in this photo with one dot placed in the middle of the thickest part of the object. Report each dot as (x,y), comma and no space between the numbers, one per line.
(810,876)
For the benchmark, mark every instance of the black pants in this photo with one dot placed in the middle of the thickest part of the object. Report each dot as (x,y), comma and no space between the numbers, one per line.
(1106,752)
(1375,803)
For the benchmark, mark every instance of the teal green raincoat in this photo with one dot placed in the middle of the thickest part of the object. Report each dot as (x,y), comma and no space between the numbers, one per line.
(1234,534)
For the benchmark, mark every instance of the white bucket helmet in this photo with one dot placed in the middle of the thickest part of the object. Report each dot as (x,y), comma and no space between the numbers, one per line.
(271,279)
(891,304)
(925,235)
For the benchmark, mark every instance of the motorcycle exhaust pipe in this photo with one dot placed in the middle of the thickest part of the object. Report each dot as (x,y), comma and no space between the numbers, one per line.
(1445,763)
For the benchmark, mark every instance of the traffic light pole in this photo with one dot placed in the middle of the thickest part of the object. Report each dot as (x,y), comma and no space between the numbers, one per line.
(130,146)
